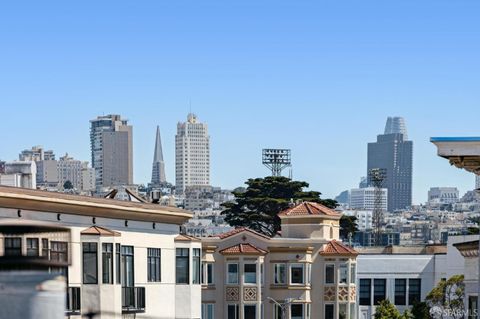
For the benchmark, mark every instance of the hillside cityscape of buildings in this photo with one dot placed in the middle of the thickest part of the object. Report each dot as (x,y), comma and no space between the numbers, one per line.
(228,272)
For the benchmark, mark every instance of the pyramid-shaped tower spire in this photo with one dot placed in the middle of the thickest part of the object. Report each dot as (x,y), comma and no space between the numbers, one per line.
(158,167)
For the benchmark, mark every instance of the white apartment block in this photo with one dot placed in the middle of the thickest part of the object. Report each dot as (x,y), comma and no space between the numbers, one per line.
(364,198)
(20,174)
(306,270)
(364,218)
(70,169)
(192,154)
(127,259)
(443,195)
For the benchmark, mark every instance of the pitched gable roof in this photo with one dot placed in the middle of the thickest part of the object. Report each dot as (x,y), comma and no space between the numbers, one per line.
(337,248)
(243,249)
(99,231)
(183,237)
(309,209)
(240,230)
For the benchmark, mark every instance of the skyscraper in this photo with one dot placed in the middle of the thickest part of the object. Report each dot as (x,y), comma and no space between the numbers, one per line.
(112,151)
(192,154)
(158,166)
(393,152)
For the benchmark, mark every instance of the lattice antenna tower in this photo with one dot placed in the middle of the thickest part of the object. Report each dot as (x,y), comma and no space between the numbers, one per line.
(276,159)
(377,177)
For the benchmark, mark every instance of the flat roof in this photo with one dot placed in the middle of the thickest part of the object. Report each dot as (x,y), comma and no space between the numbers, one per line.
(455,139)
(39,200)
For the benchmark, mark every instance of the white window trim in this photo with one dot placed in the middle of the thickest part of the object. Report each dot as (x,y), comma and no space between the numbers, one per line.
(227,273)
(243,274)
(290,274)
(285,279)
(325,271)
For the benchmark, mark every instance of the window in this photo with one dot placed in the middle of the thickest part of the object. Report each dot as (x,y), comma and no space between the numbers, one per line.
(296,274)
(32,247)
(127,263)
(182,266)
(232,273)
(207,310)
(330,274)
(107,263)
(342,311)
(207,274)
(343,277)
(365,292)
(89,263)
(250,273)
(249,312)
(153,264)
(472,306)
(379,290)
(196,265)
(353,273)
(13,246)
(277,312)
(279,274)
(59,251)
(45,248)
(118,262)
(400,292)
(329,312)
(232,312)
(296,311)
(414,290)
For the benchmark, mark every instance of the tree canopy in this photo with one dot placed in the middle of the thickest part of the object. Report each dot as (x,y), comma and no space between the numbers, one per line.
(387,310)
(257,206)
(67,185)
(447,297)
(348,225)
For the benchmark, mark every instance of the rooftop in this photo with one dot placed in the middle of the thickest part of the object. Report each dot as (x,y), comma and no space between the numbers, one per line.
(337,248)
(243,249)
(309,209)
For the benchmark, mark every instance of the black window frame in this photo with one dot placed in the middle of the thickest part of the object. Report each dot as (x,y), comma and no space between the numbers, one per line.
(245,313)
(59,251)
(12,246)
(89,249)
(416,296)
(329,311)
(154,262)
(127,260)
(32,248)
(196,266)
(400,291)
(365,292)
(297,266)
(118,262)
(107,263)
(45,248)
(183,255)
(330,273)
(379,290)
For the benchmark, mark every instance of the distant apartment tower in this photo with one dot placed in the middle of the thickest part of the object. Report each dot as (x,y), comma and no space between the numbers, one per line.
(477,181)
(443,195)
(394,153)
(112,151)
(36,153)
(70,169)
(192,154)
(47,174)
(158,166)
(364,198)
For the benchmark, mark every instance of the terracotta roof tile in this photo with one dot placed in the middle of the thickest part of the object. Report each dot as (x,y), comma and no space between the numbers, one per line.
(99,231)
(240,230)
(183,237)
(308,209)
(337,248)
(243,249)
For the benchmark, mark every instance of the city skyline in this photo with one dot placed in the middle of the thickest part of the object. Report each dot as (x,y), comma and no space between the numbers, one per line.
(317,77)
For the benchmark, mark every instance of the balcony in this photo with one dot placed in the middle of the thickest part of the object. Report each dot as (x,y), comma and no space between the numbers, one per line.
(133,299)
(73,301)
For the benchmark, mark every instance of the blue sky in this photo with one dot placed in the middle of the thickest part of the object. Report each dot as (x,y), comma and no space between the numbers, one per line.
(319,77)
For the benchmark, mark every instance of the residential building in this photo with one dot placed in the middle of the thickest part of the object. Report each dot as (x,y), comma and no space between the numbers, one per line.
(19,174)
(127,259)
(393,152)
(158,166)
(403,275)
(47,174)
(70,169)
(36,153)
(364,198)
(112,151)
(364,218)
(88,178)
(443,195)
(307,270)
(477,181)
(192,154)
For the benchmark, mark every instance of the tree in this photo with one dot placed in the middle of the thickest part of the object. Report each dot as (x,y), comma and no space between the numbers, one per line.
(420,310)
(348,225)
(257,206)
(446,299)
(67,185)
(387,310)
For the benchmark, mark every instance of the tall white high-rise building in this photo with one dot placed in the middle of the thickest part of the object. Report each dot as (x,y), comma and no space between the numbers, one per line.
(112,151)
(192,154)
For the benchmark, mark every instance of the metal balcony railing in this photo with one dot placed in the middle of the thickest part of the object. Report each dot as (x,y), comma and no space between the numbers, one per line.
(133,299)
(73,301)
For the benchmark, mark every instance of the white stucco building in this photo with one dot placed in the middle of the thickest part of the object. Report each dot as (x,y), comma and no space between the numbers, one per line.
(127,258)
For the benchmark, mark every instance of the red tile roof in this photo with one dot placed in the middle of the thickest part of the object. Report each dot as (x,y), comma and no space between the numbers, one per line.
(240,230)
(99,231)
(308,209)
(337,248)
(243,249)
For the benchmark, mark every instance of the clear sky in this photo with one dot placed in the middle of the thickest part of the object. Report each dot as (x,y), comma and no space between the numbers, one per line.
(319,77)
